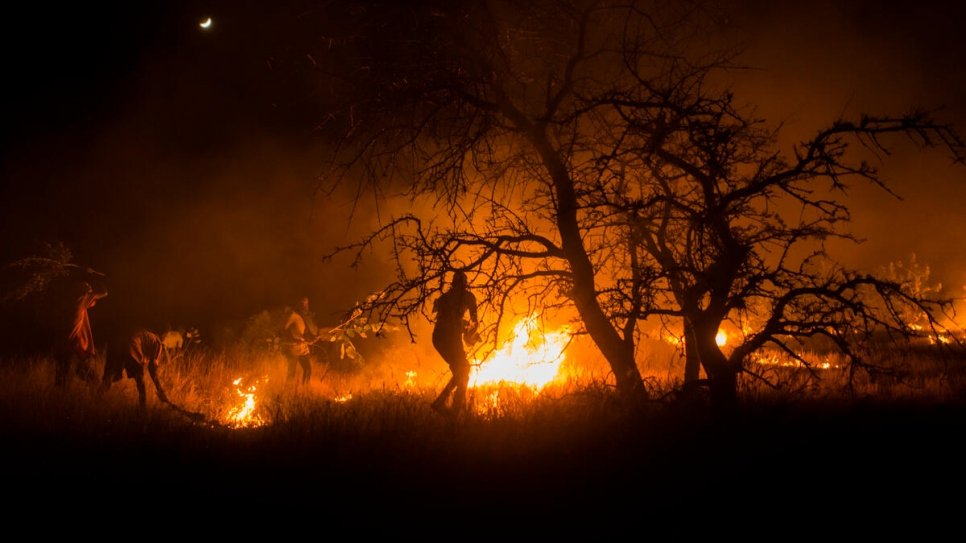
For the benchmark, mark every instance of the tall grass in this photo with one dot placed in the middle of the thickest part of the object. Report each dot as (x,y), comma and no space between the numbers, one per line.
(365,436)
(385,396)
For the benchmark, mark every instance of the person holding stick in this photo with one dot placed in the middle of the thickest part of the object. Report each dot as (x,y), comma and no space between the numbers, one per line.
(448,334)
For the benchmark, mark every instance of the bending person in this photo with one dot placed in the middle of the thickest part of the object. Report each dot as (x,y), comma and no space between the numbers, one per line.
(144,351)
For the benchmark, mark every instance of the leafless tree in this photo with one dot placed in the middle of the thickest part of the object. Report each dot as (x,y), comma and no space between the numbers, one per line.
(581,156)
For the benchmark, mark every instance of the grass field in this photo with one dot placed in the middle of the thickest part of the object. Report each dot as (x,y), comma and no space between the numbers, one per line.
(363,443)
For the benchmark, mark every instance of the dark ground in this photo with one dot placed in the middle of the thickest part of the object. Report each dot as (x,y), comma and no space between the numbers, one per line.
(767,472)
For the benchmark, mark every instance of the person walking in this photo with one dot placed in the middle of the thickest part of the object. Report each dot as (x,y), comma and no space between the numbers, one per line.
(300,331)
(448,333)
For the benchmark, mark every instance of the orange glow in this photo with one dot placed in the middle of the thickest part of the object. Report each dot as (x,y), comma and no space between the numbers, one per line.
(343,398)
(721,339)
(245,414)
(530,357)
(783,361)
(673,339)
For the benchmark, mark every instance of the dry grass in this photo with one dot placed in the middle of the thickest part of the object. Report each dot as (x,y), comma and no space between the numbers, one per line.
(368,439)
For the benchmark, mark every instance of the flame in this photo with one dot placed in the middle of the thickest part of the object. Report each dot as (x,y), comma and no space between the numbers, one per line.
(673,339)
(245,414)
(721,338)
(529,357)
(410,379)
(343,398)
(779,360)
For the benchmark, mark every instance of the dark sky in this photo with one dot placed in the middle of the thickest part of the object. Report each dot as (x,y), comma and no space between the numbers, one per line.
(172,158)
(814,61)
(182,162)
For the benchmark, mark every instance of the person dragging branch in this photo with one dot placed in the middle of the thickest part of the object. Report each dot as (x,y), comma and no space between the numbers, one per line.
(143,353)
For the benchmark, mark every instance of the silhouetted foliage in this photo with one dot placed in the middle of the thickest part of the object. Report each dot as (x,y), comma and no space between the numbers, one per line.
(35,301)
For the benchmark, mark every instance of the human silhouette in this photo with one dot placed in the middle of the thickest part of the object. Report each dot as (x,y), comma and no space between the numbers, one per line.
(75,351)
(142,352)
(448,332)
(300,331)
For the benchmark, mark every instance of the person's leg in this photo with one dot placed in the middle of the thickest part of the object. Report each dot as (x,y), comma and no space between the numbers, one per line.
(461,375)
(136,371)
(449,350)
(440,402)
(142,393)
(292,364)
(113,368)
(306,364)
(61,367)
(85,369)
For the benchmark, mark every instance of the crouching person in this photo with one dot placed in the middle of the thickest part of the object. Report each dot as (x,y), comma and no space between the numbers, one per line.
(144,351)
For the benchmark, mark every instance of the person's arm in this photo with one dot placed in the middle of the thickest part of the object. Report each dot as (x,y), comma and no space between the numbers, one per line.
(471,306)
(312,332)
(157,351)
(89,296)
(96,280)
(153,371)
(291,328)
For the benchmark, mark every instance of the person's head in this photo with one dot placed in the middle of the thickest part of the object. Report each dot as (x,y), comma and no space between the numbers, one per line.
(459,280)
(302,304)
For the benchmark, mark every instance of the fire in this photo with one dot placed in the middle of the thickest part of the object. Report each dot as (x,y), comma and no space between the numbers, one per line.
(245,413)
(673,339)
(721,338)
(531,357)
(783,361)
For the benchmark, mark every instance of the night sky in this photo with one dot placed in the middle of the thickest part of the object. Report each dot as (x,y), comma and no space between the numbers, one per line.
(183,162)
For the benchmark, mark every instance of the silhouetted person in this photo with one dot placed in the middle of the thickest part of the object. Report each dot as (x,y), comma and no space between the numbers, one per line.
(75,351)
(448,333)
(143,352)
(299,332)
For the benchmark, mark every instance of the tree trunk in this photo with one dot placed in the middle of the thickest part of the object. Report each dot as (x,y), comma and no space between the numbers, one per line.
(724,389)
(617,350)
(722,376)
(692,362)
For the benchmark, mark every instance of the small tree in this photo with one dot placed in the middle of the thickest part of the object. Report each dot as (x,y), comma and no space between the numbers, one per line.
(33,296)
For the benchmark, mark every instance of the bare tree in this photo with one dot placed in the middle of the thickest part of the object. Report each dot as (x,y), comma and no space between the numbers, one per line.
(581,158)
(736,230)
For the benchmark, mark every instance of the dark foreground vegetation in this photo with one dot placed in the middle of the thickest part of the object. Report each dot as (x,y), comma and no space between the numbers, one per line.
(887,456)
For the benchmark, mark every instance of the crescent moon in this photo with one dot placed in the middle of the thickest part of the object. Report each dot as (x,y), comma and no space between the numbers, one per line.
(206,23)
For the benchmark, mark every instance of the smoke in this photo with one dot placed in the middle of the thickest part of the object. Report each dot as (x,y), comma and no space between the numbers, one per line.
(810,63)
(191,180)
(188,182)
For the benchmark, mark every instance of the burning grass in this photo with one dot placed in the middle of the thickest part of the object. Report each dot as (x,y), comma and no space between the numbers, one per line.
(533,368)
(367,440)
